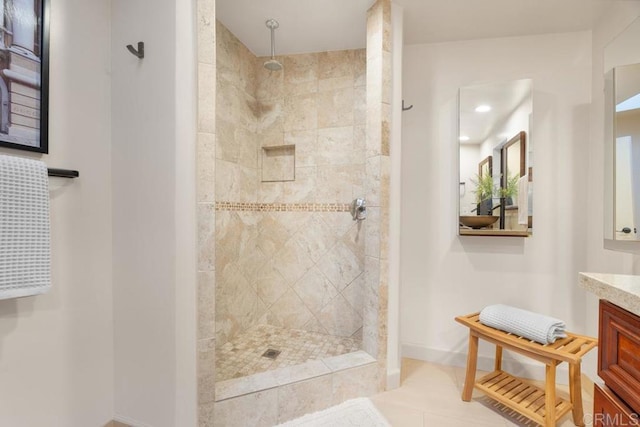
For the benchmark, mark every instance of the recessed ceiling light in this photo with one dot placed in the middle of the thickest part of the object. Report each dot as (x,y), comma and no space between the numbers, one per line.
(483,108)
(464,138)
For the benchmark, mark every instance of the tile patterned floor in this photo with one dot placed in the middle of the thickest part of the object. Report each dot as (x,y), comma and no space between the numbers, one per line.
(243,355)
(429,395)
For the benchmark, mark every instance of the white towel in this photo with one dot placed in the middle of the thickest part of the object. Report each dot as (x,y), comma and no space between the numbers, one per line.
(25,244)
(523,200)
(534,326)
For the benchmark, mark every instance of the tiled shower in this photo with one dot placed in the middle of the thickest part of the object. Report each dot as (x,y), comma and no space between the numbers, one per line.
(283,270)
(290,157)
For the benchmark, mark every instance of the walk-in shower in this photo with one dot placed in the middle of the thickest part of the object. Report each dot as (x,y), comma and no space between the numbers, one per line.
(290,158)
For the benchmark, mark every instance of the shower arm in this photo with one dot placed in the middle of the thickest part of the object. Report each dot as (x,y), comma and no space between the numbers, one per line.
(273,42)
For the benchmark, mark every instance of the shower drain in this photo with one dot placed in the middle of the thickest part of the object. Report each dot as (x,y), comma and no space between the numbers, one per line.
(271,354)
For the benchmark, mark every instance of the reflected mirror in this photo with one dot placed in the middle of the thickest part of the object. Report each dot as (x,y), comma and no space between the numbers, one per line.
(627,152)
(622,130)
(495,159)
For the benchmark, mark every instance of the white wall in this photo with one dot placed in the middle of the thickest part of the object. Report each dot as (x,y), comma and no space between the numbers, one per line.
(153,213)
(56,350)
(444,275)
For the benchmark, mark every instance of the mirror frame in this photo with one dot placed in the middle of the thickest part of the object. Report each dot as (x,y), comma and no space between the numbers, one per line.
(487,161)
(522,138)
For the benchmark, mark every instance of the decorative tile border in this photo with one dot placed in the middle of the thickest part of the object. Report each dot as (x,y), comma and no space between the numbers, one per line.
(283,207)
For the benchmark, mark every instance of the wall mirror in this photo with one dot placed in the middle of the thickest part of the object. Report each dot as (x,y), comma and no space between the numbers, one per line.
(495,159)
(622,137)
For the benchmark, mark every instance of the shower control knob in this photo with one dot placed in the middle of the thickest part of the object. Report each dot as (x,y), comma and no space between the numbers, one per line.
(359,209)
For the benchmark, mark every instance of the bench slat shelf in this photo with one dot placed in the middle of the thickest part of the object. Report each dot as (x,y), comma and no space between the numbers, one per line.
(537,404)
(520,395)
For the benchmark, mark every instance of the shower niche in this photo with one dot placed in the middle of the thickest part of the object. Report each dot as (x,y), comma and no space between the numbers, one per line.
(278,163)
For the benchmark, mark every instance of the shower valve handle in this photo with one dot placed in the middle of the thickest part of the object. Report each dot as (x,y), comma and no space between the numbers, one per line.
(359,209)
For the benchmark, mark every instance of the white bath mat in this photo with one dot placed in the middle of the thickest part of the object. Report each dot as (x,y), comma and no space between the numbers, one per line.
(352,413)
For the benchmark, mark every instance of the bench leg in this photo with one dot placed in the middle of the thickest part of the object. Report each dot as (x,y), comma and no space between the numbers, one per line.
(550,396)
(498,362)
(575,392)
(472,362)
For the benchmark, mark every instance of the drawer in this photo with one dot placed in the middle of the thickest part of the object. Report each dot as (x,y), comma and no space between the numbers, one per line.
(610,411)
(619,353)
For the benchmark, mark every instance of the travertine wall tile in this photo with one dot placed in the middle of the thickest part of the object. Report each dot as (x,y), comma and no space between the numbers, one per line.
(289,311)
(206,370)
(297,399)
(301,112)
(336,64)
(341,266)
(206,236)
(205,196)
(315,290)
(372,233)
(355,382)
(256,410)
(360,67)
(335,108)
(339,317)
(206,304)
(206,32)
(270,84)
(205,167)
(360,108)
(206,98)
(206,414)
(378,166)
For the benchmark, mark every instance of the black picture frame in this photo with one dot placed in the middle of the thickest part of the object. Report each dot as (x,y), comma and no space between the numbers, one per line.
(24,75)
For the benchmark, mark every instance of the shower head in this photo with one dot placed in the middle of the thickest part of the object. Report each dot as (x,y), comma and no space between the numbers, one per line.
(272,64)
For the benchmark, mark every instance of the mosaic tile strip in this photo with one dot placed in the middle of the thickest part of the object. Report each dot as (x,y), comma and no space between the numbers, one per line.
(283,207)
(243,356)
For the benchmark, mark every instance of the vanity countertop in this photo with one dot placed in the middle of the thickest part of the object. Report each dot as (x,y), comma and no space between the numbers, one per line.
(622,290)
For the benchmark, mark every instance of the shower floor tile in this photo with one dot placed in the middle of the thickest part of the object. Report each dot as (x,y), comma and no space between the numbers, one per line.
(243,356)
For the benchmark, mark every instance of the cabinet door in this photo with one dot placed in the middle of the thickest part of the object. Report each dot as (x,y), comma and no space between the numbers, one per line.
(609,411)
(619,353)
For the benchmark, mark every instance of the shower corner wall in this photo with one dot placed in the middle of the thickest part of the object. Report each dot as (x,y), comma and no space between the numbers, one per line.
(205,198)
(301,228)
(378,175)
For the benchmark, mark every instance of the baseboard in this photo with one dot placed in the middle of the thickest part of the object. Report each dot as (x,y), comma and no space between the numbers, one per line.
(120,421)
(520,366)
(393,379)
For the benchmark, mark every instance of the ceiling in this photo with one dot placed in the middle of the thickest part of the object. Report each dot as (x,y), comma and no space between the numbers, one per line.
(503,98)
(428,21)
(305,25)
(321,25)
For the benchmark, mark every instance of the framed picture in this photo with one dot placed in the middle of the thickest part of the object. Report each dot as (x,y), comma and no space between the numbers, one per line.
(24,74)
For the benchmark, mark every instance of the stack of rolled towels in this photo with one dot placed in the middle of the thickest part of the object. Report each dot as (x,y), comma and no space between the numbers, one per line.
(534,326)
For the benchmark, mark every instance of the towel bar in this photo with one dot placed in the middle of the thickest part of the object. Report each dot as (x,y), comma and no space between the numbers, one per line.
(63,173)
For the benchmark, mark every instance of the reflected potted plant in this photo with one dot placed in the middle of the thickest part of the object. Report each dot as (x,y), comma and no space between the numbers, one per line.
(510,191)
(484,193)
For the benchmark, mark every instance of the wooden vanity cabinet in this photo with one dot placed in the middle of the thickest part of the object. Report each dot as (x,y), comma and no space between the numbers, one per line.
(610,411)
(618,366)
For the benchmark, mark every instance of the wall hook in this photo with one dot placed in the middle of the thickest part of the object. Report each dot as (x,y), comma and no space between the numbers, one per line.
(139,52)
(406,108)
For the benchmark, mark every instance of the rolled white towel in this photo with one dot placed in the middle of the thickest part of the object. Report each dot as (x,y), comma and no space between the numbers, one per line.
(534,326)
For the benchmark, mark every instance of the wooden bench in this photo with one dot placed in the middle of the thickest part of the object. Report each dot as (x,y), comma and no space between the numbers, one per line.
(541,406)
